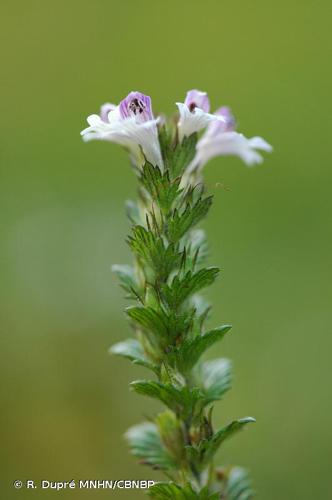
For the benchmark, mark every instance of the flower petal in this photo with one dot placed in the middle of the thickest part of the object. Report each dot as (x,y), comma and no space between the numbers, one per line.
(136,105)
(193,121)
(229,143)
(197,99)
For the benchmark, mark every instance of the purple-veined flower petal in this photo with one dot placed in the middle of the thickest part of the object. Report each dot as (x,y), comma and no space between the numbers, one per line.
(131,124)
(197,99)
(136,105)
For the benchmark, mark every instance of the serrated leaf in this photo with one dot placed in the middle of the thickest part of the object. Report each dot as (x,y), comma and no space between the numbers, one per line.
(133,350)
(181,288)
(173,491)
(181,400)
(145,443)
(192,349)
(161,188)
(150,319)
(183,220)
(171,434)
(217,379)
(239,485)
(165,140)
(183,154)
(166,328)
(152,250)
(211,446)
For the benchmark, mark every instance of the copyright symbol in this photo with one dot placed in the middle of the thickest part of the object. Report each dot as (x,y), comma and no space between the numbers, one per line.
(18,484)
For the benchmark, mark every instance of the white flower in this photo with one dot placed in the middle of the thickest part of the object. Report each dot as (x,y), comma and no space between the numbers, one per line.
(130,124)
(194,113)
(220,139)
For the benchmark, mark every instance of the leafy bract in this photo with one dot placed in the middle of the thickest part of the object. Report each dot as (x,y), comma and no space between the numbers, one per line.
(216,379)
(145,443)
(180,289)
(132,349)
(159,185)
(183,220)
(153,251)
(173,491)
(192,349)
(181,400)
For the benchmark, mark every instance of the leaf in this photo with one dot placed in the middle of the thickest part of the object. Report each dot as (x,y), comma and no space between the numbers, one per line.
(149,319)
(152,250)
(210,446)
(239,485)
(184,220)
(161,189)
(181,400)
(165,140)
(191,350)
(183,154)
(133,350)
(166,328)
(173,491)
(171,434)
(217,378)
(181,288)
(145,443)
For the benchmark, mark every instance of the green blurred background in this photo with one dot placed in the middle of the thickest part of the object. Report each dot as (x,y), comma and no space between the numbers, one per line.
(65,401)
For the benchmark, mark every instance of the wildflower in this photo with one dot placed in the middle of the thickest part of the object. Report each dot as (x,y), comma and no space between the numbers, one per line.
(130,124)
(194,113)
(220,139)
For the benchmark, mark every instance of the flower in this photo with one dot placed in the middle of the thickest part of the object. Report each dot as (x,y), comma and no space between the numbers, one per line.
(194,113)
(130,124)
(220,139)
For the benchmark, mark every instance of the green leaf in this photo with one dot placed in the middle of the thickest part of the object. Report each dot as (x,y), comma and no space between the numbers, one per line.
(183,220)
(192,349)
(181,288)
(151,320)
(133,350)
(239,485)
(166,328)
(145,443)
(152,250)
(161,189)
(216,376)
(166,139)
(183,154)
(181,400)
(171,434)
(173,491)
(210,446)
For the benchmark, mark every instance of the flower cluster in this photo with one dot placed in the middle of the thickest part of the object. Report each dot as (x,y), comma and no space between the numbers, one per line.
(169,316)
(132,124)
